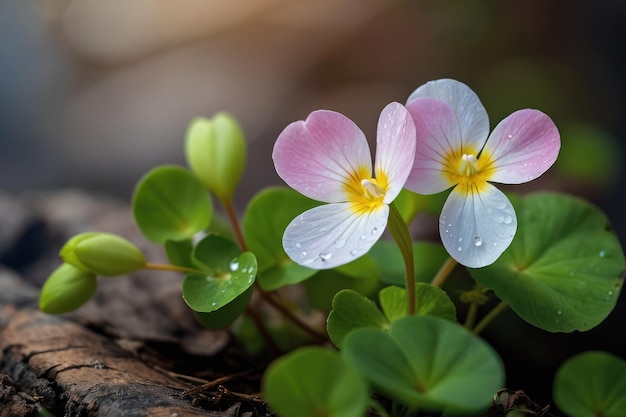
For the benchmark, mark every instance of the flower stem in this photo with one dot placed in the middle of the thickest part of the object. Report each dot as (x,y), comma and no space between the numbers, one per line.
(470,319)
(271,300)
(232,217)
(173,268)
(400,232)
(443,272)
(489,317)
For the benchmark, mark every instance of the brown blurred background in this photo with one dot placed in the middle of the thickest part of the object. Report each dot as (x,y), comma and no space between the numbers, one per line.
(95,93)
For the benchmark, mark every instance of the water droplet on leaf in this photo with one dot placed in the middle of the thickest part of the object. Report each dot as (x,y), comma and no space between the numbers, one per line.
(234,265)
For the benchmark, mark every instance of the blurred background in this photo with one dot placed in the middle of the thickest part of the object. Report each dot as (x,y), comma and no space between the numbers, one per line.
(93,94)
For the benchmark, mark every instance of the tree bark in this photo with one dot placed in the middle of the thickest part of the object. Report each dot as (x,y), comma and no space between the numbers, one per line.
(71,371)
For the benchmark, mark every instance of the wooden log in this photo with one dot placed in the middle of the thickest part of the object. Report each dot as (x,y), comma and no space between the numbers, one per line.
(72,371)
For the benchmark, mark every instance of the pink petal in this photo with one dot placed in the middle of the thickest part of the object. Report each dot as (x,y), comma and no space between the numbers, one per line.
(471,114)
(523,146)
(395,147)
(475,227)
(437,136)
(317,156)
(331,235)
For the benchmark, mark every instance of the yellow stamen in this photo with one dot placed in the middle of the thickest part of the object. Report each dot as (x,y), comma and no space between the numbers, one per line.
(366,193)
(468,170)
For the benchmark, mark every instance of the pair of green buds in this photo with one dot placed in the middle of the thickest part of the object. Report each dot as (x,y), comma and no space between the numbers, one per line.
(86,256)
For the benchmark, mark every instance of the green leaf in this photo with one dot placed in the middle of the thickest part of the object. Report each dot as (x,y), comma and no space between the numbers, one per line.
(264,222)
(591,384)
(360,275)
(429,301)
(170,203)
(351,311)
(227,314)
(428,259)
(179,252)
(427,363)
(314,382)
(66,289)
(563,271)
(229,274)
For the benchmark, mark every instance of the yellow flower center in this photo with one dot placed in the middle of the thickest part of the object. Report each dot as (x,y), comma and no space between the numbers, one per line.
(468,169)
(366,193)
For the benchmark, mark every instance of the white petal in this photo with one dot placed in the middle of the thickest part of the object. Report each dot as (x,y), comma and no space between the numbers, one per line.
(470,112)
(395,147)
(332,235)
(476,228)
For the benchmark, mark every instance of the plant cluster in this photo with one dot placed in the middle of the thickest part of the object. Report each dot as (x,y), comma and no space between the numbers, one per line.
(392,342)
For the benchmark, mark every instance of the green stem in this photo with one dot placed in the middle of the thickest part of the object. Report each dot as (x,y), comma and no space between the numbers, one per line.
(400,232)
(489,317)
(443,272)
(232,217)
(265,333)
(174,268)
(470,319)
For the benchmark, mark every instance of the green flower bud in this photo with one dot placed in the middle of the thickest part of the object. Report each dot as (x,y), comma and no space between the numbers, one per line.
(216,152)
(66,289)
(103,254)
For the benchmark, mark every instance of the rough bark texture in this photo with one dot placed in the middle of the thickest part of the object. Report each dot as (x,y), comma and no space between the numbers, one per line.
(101,360)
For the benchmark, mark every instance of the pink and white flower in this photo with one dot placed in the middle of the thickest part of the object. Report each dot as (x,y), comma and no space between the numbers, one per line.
(327,158)
(455,149)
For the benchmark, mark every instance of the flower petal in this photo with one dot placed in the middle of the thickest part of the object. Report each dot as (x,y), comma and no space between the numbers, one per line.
(471,114)
(318,155)
(395,148)
(476,228)
(437,134)
(523,146)
(332,235)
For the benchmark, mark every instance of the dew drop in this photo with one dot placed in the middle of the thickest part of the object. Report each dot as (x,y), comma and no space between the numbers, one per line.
(375,230)
(363,236)
(244,270)
(478,241)
(325,256)
(354,252)
(302,254)
(460,249)
(233,265)
(449,224)
(610,293)
(507,219)
(602,254)
(559,312)
(460,239)
(213,304)
(298,245)
(340,243)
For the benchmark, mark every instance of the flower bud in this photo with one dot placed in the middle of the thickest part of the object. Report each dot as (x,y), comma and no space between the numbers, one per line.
(103,254)
(66,289)
(216,152)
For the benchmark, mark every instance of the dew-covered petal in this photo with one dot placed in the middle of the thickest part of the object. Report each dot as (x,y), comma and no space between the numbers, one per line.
(476,228)
(331,235)
(523,146)
(472,117)
(395,148)
(318,155)
(437,137)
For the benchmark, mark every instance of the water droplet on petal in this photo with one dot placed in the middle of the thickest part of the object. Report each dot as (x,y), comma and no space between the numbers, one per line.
(354,252)
(375,230)
(340,243)
(478,241)
(363,236)
(302,254)
(325,256)
(460,249)
(298,245)
(460,239)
